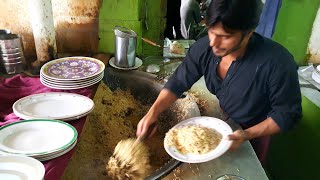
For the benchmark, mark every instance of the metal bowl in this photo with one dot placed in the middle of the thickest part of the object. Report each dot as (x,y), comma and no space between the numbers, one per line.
(145,88)
(153,68)
(315,67)
(230,177)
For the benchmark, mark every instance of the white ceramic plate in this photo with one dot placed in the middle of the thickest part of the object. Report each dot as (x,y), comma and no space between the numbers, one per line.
(138,63)
(52,105)
(77,117)
(36,137)
(205,121)
(46,158)
(316,76)
(77,86)
(71,68)
(14,167)
(55,153)
(68,83)
(70,118)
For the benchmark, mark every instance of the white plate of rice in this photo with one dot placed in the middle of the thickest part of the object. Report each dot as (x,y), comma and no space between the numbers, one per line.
(198,139)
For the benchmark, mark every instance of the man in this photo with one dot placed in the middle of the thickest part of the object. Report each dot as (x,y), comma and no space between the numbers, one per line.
(204,4)
(254,78)
(173,20)
(269,17)
(190,18)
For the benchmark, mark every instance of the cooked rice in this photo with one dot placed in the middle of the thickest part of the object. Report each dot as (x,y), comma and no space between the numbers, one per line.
(129,161)
(193,139)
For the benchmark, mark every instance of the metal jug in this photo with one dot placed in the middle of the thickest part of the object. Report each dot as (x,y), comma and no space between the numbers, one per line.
(125,43)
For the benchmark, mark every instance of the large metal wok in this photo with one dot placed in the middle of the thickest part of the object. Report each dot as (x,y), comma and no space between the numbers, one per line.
(145,87)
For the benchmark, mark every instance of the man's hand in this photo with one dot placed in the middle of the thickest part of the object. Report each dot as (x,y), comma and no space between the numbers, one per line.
(164,100)
(238,137)
(264,128)
(144,125)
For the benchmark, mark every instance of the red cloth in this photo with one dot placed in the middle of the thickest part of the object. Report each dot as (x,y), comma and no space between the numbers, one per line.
(18,86)
(260,146)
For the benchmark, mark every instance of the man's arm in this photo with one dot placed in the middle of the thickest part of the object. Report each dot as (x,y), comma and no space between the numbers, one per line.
(264,128)
(285,101)
(165,99)
(188,72)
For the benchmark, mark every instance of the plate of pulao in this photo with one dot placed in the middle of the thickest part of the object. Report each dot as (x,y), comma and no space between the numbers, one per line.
(198,139)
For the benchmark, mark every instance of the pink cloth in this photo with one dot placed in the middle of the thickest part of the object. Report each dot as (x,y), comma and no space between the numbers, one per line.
(18,86)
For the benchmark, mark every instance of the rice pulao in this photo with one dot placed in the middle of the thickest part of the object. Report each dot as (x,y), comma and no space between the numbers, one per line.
(194,139)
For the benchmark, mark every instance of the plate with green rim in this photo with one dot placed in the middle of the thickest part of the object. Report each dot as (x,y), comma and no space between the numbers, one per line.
(36,137)
(20,167)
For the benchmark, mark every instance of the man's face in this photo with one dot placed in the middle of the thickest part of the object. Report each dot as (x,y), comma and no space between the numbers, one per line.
(224,43)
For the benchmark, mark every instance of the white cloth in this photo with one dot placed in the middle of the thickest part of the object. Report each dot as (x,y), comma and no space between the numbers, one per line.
(190,17)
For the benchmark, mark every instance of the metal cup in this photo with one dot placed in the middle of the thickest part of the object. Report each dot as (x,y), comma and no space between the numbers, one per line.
(11,55)
(10,41)
(125,42)
(13,68)
(11,50)
(5,31)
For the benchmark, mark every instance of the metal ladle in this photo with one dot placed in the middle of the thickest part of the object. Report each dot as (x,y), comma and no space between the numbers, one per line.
(149,41)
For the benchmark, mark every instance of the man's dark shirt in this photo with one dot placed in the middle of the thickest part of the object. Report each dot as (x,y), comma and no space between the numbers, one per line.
(261,84)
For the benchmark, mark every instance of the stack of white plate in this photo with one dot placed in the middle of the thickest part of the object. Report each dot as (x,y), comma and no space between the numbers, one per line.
(20,167)
(72,72)
(39,139)
(53,105)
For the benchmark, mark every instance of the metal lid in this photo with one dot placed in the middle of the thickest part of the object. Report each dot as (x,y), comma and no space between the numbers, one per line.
(124,32)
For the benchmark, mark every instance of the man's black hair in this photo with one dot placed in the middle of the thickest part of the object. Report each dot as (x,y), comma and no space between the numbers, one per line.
(235,14)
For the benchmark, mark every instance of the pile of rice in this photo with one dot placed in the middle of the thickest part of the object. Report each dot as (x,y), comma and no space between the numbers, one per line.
(129,161)
(193,139)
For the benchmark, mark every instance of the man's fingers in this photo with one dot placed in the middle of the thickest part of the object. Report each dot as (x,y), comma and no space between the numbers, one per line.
(232,137)
(236,135)
(144,129)
(154,130)
(139,128)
